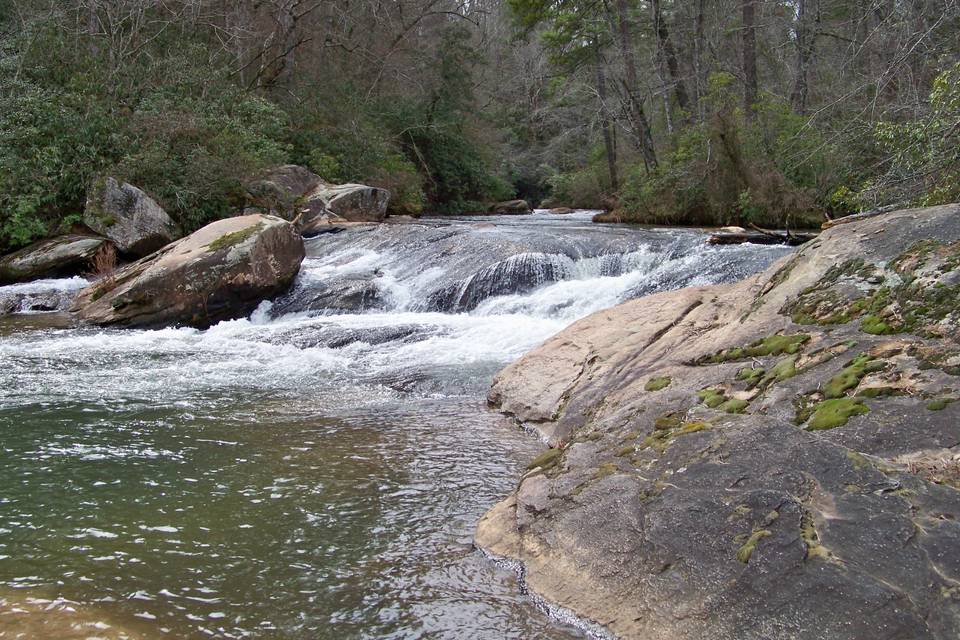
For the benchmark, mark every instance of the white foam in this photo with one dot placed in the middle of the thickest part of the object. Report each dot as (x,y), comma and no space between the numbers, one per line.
(45,286)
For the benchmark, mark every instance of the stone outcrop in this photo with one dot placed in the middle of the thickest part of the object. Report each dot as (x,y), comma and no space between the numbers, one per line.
(131,219)
(299,195)
(511,207)
(778,458)
(55,257)
(222,271)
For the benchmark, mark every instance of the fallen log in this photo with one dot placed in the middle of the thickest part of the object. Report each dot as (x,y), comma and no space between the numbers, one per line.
(761,237)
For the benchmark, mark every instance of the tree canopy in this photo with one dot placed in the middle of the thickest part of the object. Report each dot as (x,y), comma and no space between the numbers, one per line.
(778,112)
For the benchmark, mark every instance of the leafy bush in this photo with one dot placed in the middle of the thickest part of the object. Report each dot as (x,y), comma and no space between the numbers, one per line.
(923,165)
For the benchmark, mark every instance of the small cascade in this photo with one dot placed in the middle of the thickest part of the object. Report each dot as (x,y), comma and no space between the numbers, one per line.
(40,295)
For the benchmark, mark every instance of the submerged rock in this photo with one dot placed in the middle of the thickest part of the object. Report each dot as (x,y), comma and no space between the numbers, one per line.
(131,219)
(799,476)
(54,257)
(222,271)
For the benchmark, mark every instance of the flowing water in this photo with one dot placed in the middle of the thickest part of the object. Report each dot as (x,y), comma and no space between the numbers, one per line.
(315,470)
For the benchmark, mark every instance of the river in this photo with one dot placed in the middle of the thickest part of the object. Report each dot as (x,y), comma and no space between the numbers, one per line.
(315,470)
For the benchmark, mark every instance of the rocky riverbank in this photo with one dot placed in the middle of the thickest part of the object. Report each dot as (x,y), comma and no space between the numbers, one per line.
(777,458)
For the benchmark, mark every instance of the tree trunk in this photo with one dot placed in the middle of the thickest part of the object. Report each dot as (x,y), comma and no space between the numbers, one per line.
(605,126)
(749,56)
(699,43)
(640,125)
(666,50)
(805,45)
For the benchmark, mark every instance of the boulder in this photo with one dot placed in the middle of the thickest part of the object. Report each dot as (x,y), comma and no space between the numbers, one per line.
(775,458)
(280,190)
(331,203)
(297,194)
(131,219)
(511,207)
(54,257)
(222,271)
(560,211)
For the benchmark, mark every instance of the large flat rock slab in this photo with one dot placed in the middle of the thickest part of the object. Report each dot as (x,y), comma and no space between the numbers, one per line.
(776,458)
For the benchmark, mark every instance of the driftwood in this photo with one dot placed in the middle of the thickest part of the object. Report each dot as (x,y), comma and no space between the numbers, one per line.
(861,216)
(761,236)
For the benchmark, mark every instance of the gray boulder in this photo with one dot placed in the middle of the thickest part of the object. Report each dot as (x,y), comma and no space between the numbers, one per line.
(297,194)
(131,219)
(511,207)
(220,272)
(280,190)
(54,257)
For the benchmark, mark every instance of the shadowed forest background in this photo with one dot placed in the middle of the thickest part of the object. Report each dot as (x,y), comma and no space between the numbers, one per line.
(778,113)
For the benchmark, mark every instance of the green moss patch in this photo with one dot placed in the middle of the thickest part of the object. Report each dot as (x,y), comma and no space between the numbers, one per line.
(670,420)
(711,397)
(734,405)
(851,375)
(940,404)
(774,345)
(546,460)
(875,325)
(751,375)
(661,438)
(745,552)
(234,238)
(658,383)
(834,413)
(808,533)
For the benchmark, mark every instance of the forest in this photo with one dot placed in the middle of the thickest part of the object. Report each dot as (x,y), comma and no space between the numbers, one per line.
(702,112)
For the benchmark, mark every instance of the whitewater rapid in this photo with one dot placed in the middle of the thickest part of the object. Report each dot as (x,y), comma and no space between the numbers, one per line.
(435,308)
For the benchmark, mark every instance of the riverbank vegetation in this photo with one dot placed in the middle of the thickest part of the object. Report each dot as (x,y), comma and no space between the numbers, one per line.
(776,113)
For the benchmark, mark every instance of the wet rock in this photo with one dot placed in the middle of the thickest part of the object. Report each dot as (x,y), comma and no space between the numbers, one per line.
(131,219)
(560,211)
(511,207)
(222,271)
(54,257)
(351,294)
(798,478)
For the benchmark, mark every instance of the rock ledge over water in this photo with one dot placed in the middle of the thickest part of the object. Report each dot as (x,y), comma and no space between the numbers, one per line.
(778,458)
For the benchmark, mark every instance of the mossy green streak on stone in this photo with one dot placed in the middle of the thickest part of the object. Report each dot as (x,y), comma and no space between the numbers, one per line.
(669,420)
(234,238)
(783,370)
(746,551)
(875,325)
(851,375)
(658,383)
(834,413)
(546,460)
(712,398)
(770,346)
(734,405)
(751,375)
(940,404)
